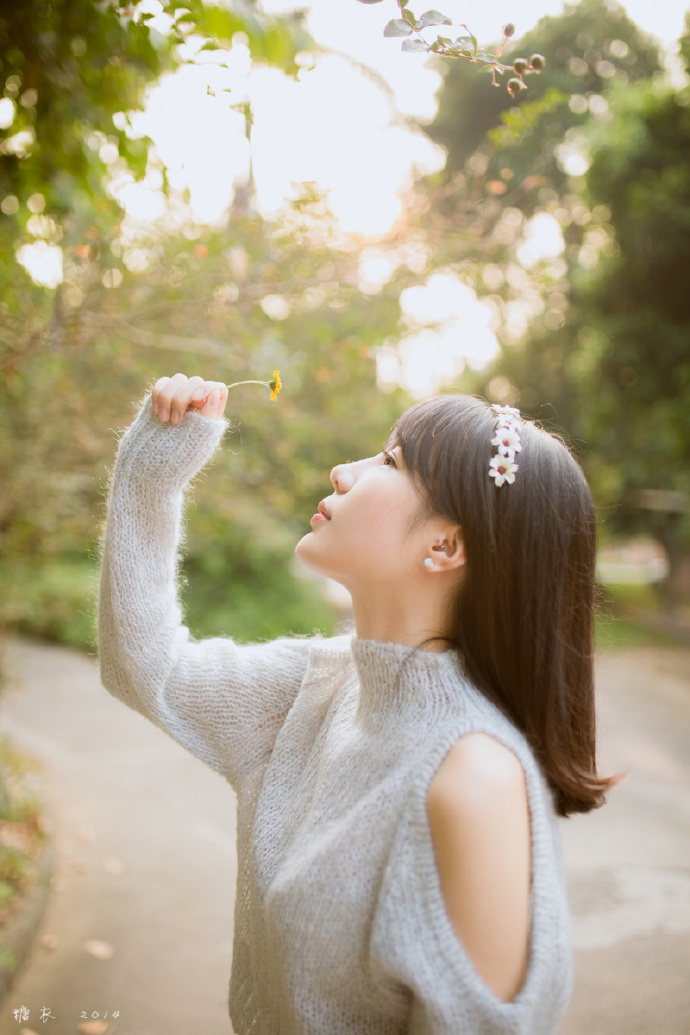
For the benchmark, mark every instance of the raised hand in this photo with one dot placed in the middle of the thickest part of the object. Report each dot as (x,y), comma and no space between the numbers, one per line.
(172,397)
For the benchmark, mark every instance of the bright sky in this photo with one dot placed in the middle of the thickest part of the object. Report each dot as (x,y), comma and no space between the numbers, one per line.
(340,126)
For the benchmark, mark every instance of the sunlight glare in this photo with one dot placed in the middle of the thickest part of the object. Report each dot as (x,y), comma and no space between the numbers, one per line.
(543,239)
(137,200)
(427,358)
(7,110)
(198,135)
(43,262)
(313,130)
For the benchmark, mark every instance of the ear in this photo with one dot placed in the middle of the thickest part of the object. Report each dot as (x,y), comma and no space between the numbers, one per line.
(448,550)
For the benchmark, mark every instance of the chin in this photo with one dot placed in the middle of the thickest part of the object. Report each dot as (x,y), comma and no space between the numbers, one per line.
(307,553)
(303,552)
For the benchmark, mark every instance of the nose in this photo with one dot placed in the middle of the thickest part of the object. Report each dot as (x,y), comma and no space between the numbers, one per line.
(342,477)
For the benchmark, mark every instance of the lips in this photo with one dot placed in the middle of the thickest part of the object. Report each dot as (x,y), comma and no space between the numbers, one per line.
(321,515)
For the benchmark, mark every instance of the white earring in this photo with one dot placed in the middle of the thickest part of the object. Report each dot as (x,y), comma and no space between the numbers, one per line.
(428,562)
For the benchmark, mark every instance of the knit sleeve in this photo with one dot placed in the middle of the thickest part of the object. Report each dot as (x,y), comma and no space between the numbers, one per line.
(223,702)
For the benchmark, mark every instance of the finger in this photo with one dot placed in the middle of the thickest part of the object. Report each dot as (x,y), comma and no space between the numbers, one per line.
(182,398)
(198,394)
(155,392)
(210,404)
(201,392)
(166,395)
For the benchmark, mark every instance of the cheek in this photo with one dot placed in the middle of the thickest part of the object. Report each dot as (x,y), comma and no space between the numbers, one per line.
(373,538)
(364,541)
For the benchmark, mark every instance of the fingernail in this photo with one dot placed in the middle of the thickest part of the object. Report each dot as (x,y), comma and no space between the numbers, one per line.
(174,417)
(214,398)
(164,414)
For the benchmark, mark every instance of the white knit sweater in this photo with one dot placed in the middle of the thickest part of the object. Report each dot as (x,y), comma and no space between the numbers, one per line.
(330,746)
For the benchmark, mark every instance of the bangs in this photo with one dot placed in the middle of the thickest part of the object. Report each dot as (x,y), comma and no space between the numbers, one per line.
(439,438)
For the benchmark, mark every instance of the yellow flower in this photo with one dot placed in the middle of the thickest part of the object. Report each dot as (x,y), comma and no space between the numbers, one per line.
(275,384)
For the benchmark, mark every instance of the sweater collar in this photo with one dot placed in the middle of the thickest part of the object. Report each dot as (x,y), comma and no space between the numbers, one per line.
(395,680)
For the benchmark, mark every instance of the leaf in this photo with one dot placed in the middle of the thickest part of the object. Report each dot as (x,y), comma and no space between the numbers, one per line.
(370,1)
(415,46)
(470,38)
(397,28)
(462,41)
(434,18)
(410,18)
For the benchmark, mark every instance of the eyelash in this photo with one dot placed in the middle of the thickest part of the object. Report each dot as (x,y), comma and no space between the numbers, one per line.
(388,458)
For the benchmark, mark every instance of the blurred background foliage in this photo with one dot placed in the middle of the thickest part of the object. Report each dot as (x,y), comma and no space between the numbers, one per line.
(594,340)
(234,302)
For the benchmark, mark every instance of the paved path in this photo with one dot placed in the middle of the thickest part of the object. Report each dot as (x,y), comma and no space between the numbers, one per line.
(146,863)
(629,862)
(145,837)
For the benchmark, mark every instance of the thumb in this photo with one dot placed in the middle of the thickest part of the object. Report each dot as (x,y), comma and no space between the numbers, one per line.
(214,403)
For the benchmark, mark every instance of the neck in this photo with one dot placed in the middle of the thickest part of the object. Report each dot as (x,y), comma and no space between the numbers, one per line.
(411,618)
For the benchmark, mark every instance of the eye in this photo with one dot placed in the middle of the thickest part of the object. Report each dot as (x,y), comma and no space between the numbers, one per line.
(388,459)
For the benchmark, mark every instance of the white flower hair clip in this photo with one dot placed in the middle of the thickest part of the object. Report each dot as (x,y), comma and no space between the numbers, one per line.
(502,466)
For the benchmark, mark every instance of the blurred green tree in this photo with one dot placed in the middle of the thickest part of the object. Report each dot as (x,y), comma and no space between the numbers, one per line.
(507,163)
(509,166)
(605,354)
(594,337)
(73,70)
(134,302)
(618,370)
(590,45)
(231,303)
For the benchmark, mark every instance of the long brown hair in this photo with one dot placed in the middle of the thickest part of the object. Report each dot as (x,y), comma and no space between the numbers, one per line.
(523,619)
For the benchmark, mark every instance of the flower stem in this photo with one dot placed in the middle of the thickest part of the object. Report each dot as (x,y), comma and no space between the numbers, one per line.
(236,383)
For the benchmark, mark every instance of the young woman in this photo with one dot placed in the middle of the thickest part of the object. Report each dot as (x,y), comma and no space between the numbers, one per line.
(399,866)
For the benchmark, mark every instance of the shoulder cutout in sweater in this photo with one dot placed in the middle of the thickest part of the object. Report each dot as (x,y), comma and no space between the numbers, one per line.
(479,820)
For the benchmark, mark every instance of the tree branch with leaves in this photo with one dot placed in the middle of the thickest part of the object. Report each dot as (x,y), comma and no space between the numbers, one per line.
(466,46)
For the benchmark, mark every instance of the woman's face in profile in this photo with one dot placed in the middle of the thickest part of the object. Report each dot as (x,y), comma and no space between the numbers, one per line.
(372,527)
